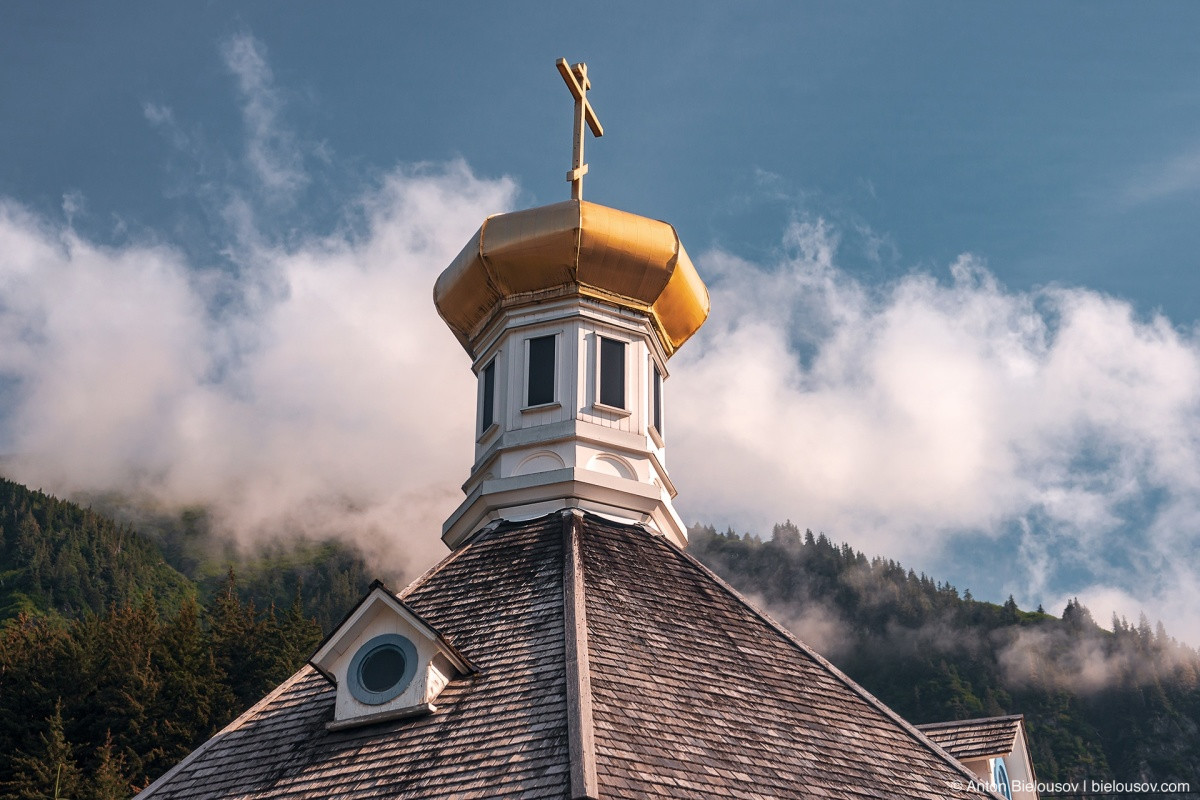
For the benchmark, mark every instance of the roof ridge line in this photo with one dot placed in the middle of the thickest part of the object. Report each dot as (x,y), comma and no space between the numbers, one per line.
(581,745)
(970,720)
(850,683)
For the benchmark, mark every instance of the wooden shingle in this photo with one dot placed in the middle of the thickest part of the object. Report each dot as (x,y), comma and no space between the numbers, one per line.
(976,738)
(611,664)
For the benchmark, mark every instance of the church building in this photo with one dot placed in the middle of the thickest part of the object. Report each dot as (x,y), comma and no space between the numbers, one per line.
(568,646)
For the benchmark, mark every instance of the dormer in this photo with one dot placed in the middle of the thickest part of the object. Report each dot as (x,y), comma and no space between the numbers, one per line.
(386,662)
(996,749)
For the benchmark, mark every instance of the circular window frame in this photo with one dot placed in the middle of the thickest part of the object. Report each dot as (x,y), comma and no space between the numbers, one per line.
(354,674)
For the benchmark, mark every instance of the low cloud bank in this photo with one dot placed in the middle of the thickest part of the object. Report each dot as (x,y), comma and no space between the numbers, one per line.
(305,384)
(905,416)
(315,393)
(1051,658)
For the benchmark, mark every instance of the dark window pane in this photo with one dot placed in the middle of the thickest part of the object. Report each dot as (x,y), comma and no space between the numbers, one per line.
(488,415)
(657,400)
(541,370)
(612,372)
(382,669)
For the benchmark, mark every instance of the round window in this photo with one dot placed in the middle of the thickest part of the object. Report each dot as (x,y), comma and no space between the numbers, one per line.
(382,669)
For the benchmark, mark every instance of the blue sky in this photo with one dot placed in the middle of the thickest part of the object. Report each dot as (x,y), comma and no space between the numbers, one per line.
(953,252)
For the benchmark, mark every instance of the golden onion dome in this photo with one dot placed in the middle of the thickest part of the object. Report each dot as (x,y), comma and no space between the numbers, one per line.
(574,248)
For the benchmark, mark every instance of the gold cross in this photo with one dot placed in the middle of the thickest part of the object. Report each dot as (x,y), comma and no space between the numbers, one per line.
(577,81)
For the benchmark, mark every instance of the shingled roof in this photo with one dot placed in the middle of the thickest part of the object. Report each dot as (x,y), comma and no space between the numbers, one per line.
(976,738)
(610,665)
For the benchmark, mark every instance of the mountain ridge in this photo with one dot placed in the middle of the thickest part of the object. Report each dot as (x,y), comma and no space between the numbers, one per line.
(215,632)
(1099,705)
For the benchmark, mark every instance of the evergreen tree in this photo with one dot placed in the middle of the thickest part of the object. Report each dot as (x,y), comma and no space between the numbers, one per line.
(299,637)
(49,772)
(231,634)
(1011,615)
(255,654)
(39,663)
(122,683)
(108,781)
(194,699)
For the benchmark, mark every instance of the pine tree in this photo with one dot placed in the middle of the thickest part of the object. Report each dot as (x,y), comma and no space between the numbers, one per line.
(108,781)
(1011,613)
(194,698)
(254,654)
(232,636)
(1144,632)
(121,684)
(301,634)
(50,772)
(39,662)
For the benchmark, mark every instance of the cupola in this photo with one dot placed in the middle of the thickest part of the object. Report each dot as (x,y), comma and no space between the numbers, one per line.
(570,312)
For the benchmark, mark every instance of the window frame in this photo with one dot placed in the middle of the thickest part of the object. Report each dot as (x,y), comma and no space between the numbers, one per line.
(528,372)
(596,349)
(655,424)
(1000,778)
(623,373)
(390,641)
(487,410)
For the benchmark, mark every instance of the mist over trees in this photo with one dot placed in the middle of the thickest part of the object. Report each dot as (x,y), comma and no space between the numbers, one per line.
(123,647)
(1105,705)
(114,665)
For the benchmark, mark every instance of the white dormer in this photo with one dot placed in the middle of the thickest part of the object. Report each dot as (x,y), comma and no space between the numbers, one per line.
(996,749)
(386,662)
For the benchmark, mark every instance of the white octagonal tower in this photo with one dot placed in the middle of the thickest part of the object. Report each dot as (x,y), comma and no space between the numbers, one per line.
(570,312)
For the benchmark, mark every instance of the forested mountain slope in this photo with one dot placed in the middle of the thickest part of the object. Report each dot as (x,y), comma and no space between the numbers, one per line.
(113,664)
(55,555)
(329,575)
(1121,705)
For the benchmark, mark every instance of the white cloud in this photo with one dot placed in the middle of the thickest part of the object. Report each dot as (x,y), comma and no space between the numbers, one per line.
(302,385)
(313,389)
(272,152)
(333,401)
(901,417)
(1178,174)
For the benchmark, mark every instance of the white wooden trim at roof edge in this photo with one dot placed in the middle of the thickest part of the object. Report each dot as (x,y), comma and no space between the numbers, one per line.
(350,628)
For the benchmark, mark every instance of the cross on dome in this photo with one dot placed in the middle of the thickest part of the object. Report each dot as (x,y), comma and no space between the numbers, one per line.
(577,81)
(569,313)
